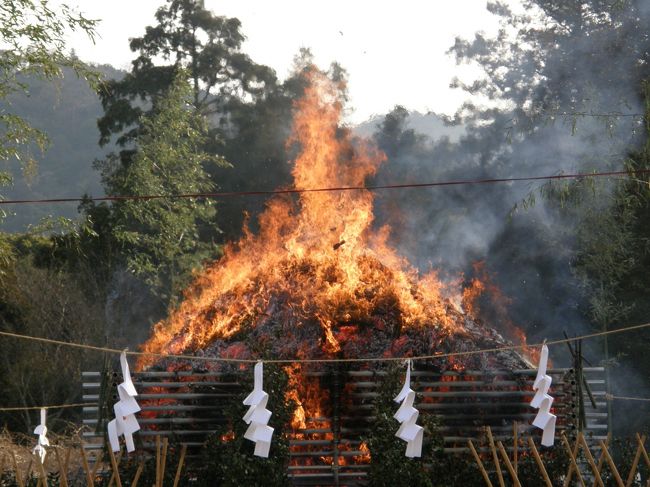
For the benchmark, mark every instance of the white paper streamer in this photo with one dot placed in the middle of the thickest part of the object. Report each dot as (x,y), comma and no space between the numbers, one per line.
(41,431)
(544,420)
(258,416)
(125,409)
(407,415)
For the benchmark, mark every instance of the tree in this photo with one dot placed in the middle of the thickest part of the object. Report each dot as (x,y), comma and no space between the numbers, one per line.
(611,262)
(161,238)
(43,302)
(546,62)
(568,78)
(247,111)
(33,38)
(188,37)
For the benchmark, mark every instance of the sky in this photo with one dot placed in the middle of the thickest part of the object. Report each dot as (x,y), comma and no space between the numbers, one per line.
(394,51)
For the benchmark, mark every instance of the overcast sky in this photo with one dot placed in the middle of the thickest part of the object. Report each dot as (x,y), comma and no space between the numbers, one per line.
(394,51)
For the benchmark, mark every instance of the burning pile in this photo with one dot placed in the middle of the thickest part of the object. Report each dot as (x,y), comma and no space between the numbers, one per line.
(318,280)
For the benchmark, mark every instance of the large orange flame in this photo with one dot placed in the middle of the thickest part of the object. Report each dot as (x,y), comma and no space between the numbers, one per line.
(318,280)
(319,254)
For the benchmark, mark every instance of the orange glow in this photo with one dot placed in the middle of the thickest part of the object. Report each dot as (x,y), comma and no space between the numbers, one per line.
(365,454)
(317,280)
(482,286)
(319,254)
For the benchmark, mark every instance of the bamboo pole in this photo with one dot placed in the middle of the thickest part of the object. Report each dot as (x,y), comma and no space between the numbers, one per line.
(63,474)
(163,461)
(540,464)
(43,473)
(486,477)
(495,457)
(98,462)
(177,478)
(28,474)
(601,459)
(515,453)
(590,459)
(572,456)
(635,464)
(84,459)
(509,466)
(66,462)
(19,477)
(157,461)
(643,450)
(138,472)
(116,472)
(612,465)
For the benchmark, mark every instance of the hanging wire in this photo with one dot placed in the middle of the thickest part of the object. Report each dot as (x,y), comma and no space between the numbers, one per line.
(227,194)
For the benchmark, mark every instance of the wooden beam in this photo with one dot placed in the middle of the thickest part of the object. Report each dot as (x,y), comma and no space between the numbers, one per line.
(177,478)
(612,465)
(540,464)
(572,457)
(486,477)
(495,457)
(509,466)
(590,459)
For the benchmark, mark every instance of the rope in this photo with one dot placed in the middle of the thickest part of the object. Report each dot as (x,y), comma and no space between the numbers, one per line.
(226,194)
(611,397)
(326,360)
(59,406)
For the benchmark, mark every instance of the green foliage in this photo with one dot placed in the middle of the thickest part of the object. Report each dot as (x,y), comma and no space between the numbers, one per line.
(231,463)
(161,238)
(33,38)
(187,36)
(248,112)
(44,302)
(388,465)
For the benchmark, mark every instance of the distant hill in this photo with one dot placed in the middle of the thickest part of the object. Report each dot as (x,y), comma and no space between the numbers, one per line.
(429,124)
(67,111)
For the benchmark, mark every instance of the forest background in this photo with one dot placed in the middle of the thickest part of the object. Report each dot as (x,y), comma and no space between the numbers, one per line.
(566,90)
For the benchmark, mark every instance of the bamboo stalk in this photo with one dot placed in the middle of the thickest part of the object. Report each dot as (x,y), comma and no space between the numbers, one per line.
(177,478)
(635,464)
(41,468)
(116,472)
(612,465)
(138,472)
(601,459)
(495,457)
(643,450)
(157,461)
(19,477)
(509,466)
(28,474)
(590,459)
(98,462)
(572,456)
(63,475)
(486,477)
(572,466)
(515,453)
(163,461)
(540,463)
(66,462)
(84,459)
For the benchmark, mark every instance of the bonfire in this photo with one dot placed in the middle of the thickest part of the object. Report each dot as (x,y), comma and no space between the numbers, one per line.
(320,279)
